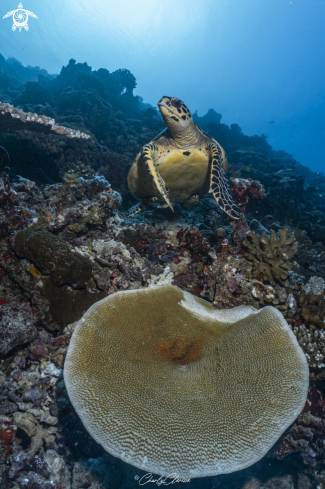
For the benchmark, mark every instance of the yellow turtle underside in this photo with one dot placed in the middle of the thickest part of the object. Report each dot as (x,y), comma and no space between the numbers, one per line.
(184,175)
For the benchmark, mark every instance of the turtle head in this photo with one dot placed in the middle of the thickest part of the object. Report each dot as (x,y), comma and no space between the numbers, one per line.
(176,115)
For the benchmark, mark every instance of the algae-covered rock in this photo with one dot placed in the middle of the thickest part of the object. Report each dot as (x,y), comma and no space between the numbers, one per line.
(15,333)
(17,324)
(51,255)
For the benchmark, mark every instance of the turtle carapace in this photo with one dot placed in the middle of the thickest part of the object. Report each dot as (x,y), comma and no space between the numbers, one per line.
(180,164)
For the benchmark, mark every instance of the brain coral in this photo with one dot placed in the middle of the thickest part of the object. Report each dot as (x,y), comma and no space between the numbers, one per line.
(167,383)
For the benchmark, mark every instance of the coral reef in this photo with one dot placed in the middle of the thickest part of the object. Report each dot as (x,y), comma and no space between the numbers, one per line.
(269,258)
(73,174)
(12,119)
(315,286)
(52,256)
(311,259)
(245,189)
(171,331)
(74,189)
(17,321)
(312,341)
(304,442)
(312,307)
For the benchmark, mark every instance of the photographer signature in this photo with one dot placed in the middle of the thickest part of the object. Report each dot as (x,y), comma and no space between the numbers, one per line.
(161,481)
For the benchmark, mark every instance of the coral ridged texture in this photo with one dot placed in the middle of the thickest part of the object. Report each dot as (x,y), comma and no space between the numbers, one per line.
(269,258)
(168,383)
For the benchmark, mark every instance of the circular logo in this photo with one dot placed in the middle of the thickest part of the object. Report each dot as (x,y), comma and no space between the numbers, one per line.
(20,18)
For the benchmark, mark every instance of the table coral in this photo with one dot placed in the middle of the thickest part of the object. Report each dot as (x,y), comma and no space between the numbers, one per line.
(156,374)
(12,119)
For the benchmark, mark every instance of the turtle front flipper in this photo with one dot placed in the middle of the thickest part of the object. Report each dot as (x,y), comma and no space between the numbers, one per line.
(147,158)
(218,184)
(139,207)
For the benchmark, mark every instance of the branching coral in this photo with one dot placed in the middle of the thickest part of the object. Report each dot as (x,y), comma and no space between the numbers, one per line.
(269,258)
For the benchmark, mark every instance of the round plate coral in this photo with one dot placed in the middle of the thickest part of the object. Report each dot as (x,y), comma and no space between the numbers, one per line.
(169,384)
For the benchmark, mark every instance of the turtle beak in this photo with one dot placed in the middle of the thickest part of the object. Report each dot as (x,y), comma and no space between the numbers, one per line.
(164,109)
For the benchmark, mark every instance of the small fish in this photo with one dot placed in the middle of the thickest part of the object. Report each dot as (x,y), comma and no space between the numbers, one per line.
(271,122)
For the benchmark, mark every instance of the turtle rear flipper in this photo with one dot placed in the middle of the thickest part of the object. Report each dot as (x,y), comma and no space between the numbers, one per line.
(147,158)
(218,183)
(139,207)
(193,201)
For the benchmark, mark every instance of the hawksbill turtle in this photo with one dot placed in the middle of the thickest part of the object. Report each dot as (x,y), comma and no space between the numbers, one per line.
(180,164)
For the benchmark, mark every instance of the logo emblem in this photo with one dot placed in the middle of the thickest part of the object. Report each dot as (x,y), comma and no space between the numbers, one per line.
(20,18)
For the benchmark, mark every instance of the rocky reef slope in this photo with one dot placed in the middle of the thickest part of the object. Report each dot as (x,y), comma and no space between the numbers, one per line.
(65,244)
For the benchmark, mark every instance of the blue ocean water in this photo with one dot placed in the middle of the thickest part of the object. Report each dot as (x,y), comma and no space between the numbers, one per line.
(258,63)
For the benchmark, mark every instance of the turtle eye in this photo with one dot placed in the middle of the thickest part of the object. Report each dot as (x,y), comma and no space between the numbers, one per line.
(178,104)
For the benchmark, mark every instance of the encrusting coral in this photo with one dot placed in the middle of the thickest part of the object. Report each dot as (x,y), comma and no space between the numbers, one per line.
(74,174)
(269,258)
(169,384)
